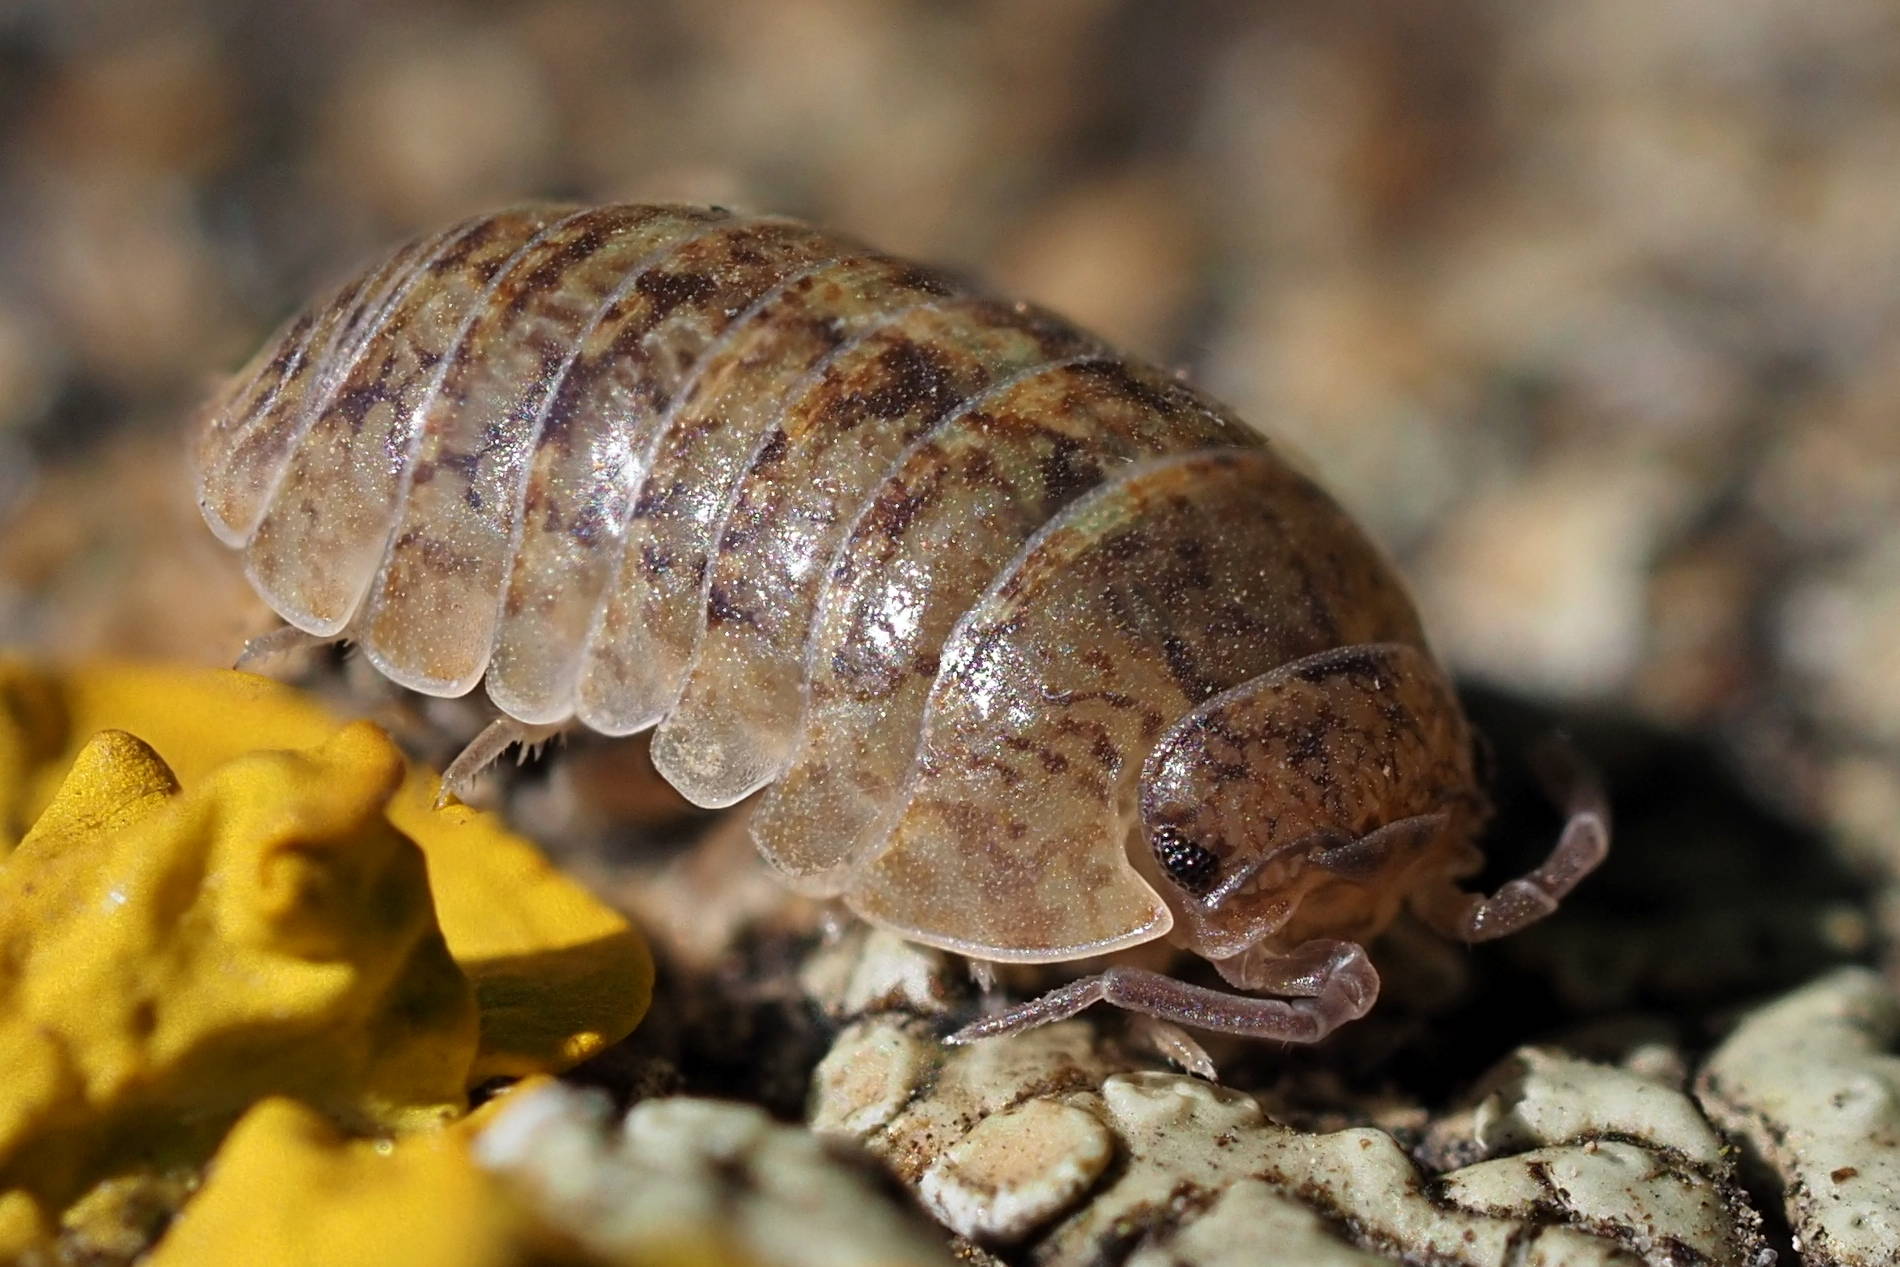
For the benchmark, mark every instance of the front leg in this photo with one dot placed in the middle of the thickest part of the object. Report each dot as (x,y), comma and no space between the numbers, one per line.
(1582,846)
(1335,980)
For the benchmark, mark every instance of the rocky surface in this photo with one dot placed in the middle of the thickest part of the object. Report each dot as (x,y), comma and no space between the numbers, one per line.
(1810,1083)
(1055,1147)
(692,1180)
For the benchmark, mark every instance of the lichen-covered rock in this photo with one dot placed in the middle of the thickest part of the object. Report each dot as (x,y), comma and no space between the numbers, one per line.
(1017,1169)
(169,956)
(874,970)
(558,975)
(540,1178)
(1044,1140)
(1811,1082)
(689,1181)
(288,1187)
(899,1090)
(1606,1148)
(181,939)
(1542,1096)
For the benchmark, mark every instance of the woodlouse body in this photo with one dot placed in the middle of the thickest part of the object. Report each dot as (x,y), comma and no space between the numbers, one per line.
(1044,653)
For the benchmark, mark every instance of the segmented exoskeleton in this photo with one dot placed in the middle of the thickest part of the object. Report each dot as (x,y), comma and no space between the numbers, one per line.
(1043,653)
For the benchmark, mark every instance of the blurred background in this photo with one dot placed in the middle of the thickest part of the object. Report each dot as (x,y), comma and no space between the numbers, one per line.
(1589,310)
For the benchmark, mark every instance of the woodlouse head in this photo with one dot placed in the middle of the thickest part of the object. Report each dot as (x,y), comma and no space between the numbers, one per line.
(1310,802)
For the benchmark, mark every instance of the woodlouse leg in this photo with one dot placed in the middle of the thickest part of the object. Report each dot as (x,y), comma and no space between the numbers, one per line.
(1173,1044)
(982,975)
(1301,972)
(280,641)
(1341,978)
(1585,841)
(496,738)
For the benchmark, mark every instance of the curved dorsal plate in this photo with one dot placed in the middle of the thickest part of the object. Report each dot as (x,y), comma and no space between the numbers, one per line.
(948,517)
(1184,577)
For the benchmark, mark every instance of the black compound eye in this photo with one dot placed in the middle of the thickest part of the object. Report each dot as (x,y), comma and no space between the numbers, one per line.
(1192,866)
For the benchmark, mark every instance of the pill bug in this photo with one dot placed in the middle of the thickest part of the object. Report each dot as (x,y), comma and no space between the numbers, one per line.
(1043,654)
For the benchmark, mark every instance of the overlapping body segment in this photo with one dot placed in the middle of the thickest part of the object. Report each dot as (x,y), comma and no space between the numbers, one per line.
(731,728)
(499,408)
(330,509)
(946,519)
(613,396)
(251,429)
(1178,580)
(646,629)
(1048,654)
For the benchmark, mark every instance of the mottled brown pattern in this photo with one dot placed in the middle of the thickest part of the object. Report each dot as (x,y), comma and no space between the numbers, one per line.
(430,621)
(248,433)
(330,512)
(734,723)
(946,518)
(1053,653)
(597,438)
(645,632)
(1109,576)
